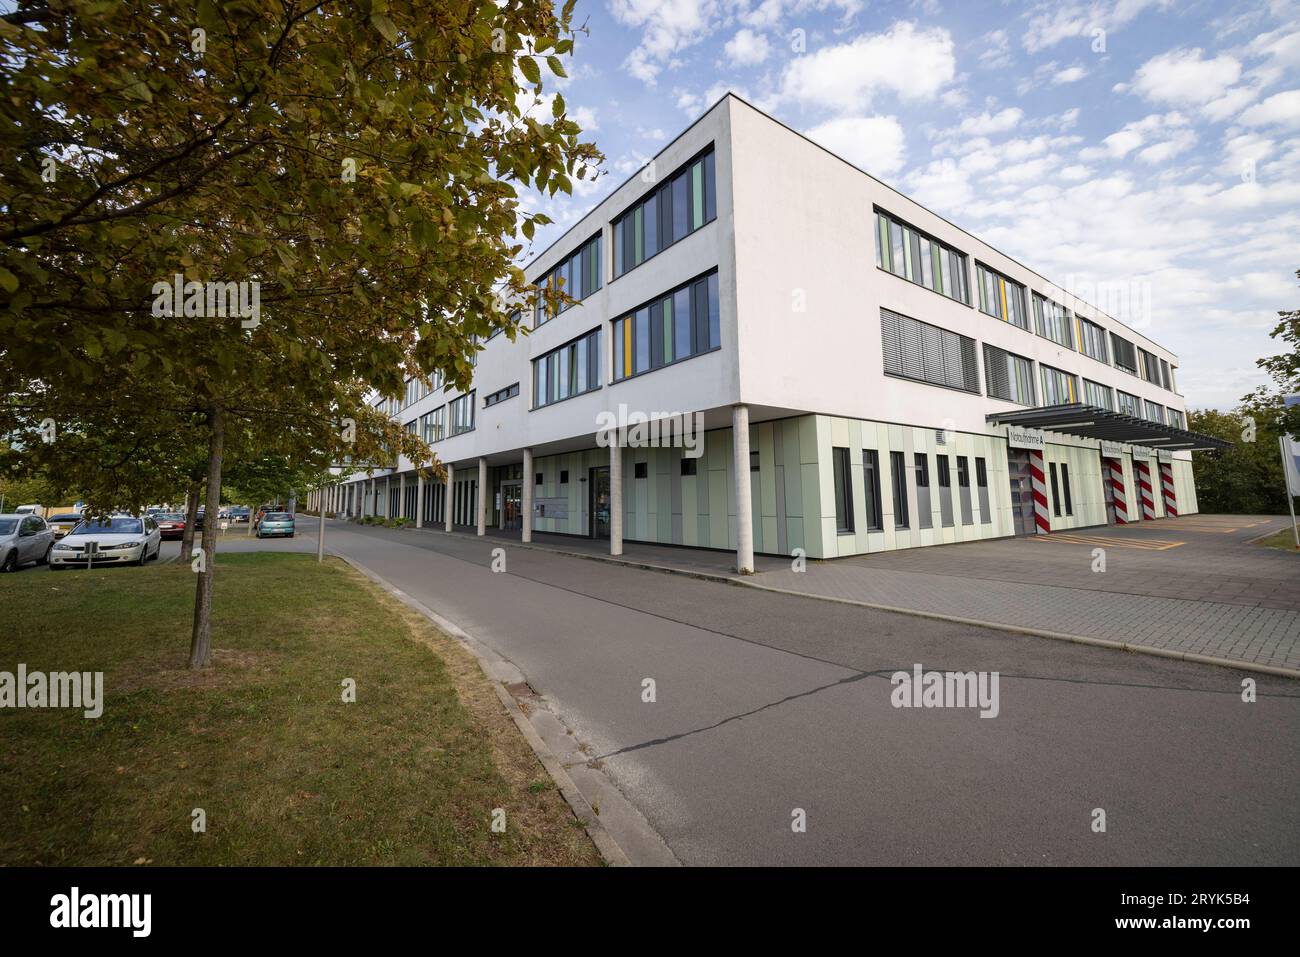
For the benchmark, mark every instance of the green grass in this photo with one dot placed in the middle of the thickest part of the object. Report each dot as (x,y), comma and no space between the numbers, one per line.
(1284,539)
(286,772)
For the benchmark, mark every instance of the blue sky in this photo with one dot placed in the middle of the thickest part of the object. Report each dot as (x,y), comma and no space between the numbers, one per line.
(1143,154)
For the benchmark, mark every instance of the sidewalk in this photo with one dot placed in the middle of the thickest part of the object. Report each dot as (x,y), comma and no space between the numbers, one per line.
(1219,632)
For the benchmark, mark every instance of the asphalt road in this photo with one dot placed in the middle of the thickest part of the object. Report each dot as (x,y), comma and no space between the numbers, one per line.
(769,703)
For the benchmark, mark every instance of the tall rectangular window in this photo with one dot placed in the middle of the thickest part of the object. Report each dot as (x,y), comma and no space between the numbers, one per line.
(1128,404)
(1125,354)
(577,276)
(1001,297)
(917,350)
(1059,388)
(570,370)
(963,489)
(681,324)
(1094,393)
(843,491)
(1065,488)
(1056,491)
(462,413)
(945,490)
(871,489)
(1092,340)
(1149,366)
(1008,376)
(982,486)
(686,201)
(907,252)
(1053,321)
(898,479)
(1155,412)
(923,490)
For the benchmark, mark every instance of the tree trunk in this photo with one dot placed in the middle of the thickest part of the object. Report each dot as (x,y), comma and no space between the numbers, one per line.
(201,640)
(191,519)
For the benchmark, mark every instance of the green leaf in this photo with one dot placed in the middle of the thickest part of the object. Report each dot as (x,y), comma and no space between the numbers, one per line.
(556,66)
(384,26)
(8,281)
(528,67)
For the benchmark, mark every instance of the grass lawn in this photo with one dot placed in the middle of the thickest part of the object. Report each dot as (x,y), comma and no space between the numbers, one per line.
(286,772)
(1284,539)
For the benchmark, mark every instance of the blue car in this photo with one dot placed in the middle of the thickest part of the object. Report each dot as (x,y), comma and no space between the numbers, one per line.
(275,524)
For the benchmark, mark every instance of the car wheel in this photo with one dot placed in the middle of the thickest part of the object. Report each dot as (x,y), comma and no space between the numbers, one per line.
(10,563)
(144,555)
(56,568)
(45,559)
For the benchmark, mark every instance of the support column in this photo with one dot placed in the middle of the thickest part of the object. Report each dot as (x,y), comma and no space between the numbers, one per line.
(527,504)
(615,493)
(451,489)
(482,496)
(401,495)
(419,500)
(744,494)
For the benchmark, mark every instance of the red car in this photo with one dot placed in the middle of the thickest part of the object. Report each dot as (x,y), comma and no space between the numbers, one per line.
(171,524)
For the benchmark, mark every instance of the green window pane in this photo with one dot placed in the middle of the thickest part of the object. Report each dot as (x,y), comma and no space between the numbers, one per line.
(638,250)
(668,330)
(697,195)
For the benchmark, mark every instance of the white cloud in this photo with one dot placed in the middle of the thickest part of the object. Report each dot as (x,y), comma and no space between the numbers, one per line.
(1070,74)
(668,26)
(1280,109)
(997,50)
(985,124)
(747,48)
(1052,21)
(914,63)
(1186,78)
(876,144)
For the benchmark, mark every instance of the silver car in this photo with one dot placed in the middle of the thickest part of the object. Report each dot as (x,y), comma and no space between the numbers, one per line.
(119,540)
(24,539)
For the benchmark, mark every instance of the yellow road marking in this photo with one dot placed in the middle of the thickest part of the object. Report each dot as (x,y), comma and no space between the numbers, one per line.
(1151,544)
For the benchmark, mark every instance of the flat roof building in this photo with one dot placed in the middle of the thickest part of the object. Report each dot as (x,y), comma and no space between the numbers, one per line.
(842,371)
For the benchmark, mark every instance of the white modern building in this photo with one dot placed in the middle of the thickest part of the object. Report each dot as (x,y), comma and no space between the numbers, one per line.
(867,376)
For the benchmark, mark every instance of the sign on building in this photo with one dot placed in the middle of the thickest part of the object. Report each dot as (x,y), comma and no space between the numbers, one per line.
(1018,438)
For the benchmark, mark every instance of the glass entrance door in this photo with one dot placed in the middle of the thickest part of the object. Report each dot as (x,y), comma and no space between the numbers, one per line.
(599,505)
(1022,492)
(511,499)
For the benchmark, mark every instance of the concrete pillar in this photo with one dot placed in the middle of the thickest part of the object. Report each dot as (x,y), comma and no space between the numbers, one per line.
(401,495)
(527,498)
(373,497)
(419,500)
(615,493)
(483,493)
(744,495)
(451,487)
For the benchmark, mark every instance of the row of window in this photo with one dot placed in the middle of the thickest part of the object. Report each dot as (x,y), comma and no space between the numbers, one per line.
(577,276)
(460,412)
(572,369)
(677,325)
(841,464)
(905,251)
(926,353)
(684,203)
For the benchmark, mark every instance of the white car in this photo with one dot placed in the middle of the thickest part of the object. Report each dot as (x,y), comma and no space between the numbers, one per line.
(120,540)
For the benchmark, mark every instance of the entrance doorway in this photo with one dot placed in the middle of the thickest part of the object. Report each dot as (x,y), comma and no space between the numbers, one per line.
(1022,492)
(512,496)
(1108,489)
(599,502)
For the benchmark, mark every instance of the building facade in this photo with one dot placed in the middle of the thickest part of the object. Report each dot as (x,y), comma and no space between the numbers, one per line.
(855,373)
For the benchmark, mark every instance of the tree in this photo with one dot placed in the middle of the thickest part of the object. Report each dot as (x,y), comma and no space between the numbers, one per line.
(1245,479)
(1284,369)
(346,171)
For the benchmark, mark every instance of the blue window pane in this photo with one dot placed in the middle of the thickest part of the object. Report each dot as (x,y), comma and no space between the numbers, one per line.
(682,345)
(680,212)
(641,347)
(715,332)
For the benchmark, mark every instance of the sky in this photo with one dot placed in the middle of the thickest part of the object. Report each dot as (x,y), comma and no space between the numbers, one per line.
(1142,154)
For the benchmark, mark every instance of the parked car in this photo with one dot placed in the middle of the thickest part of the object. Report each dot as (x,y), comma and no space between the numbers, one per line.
(122,540)
(275,524)
(170,524)
(23,539)
(240,513)
(27,510)
(63,522)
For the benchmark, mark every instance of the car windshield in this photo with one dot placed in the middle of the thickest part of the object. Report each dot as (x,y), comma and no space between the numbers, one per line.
(170,517)
(8,526)
(110,526)
(278,517)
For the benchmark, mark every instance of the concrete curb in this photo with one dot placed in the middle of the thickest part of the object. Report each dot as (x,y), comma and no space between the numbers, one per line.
(917,613)
(610,850)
